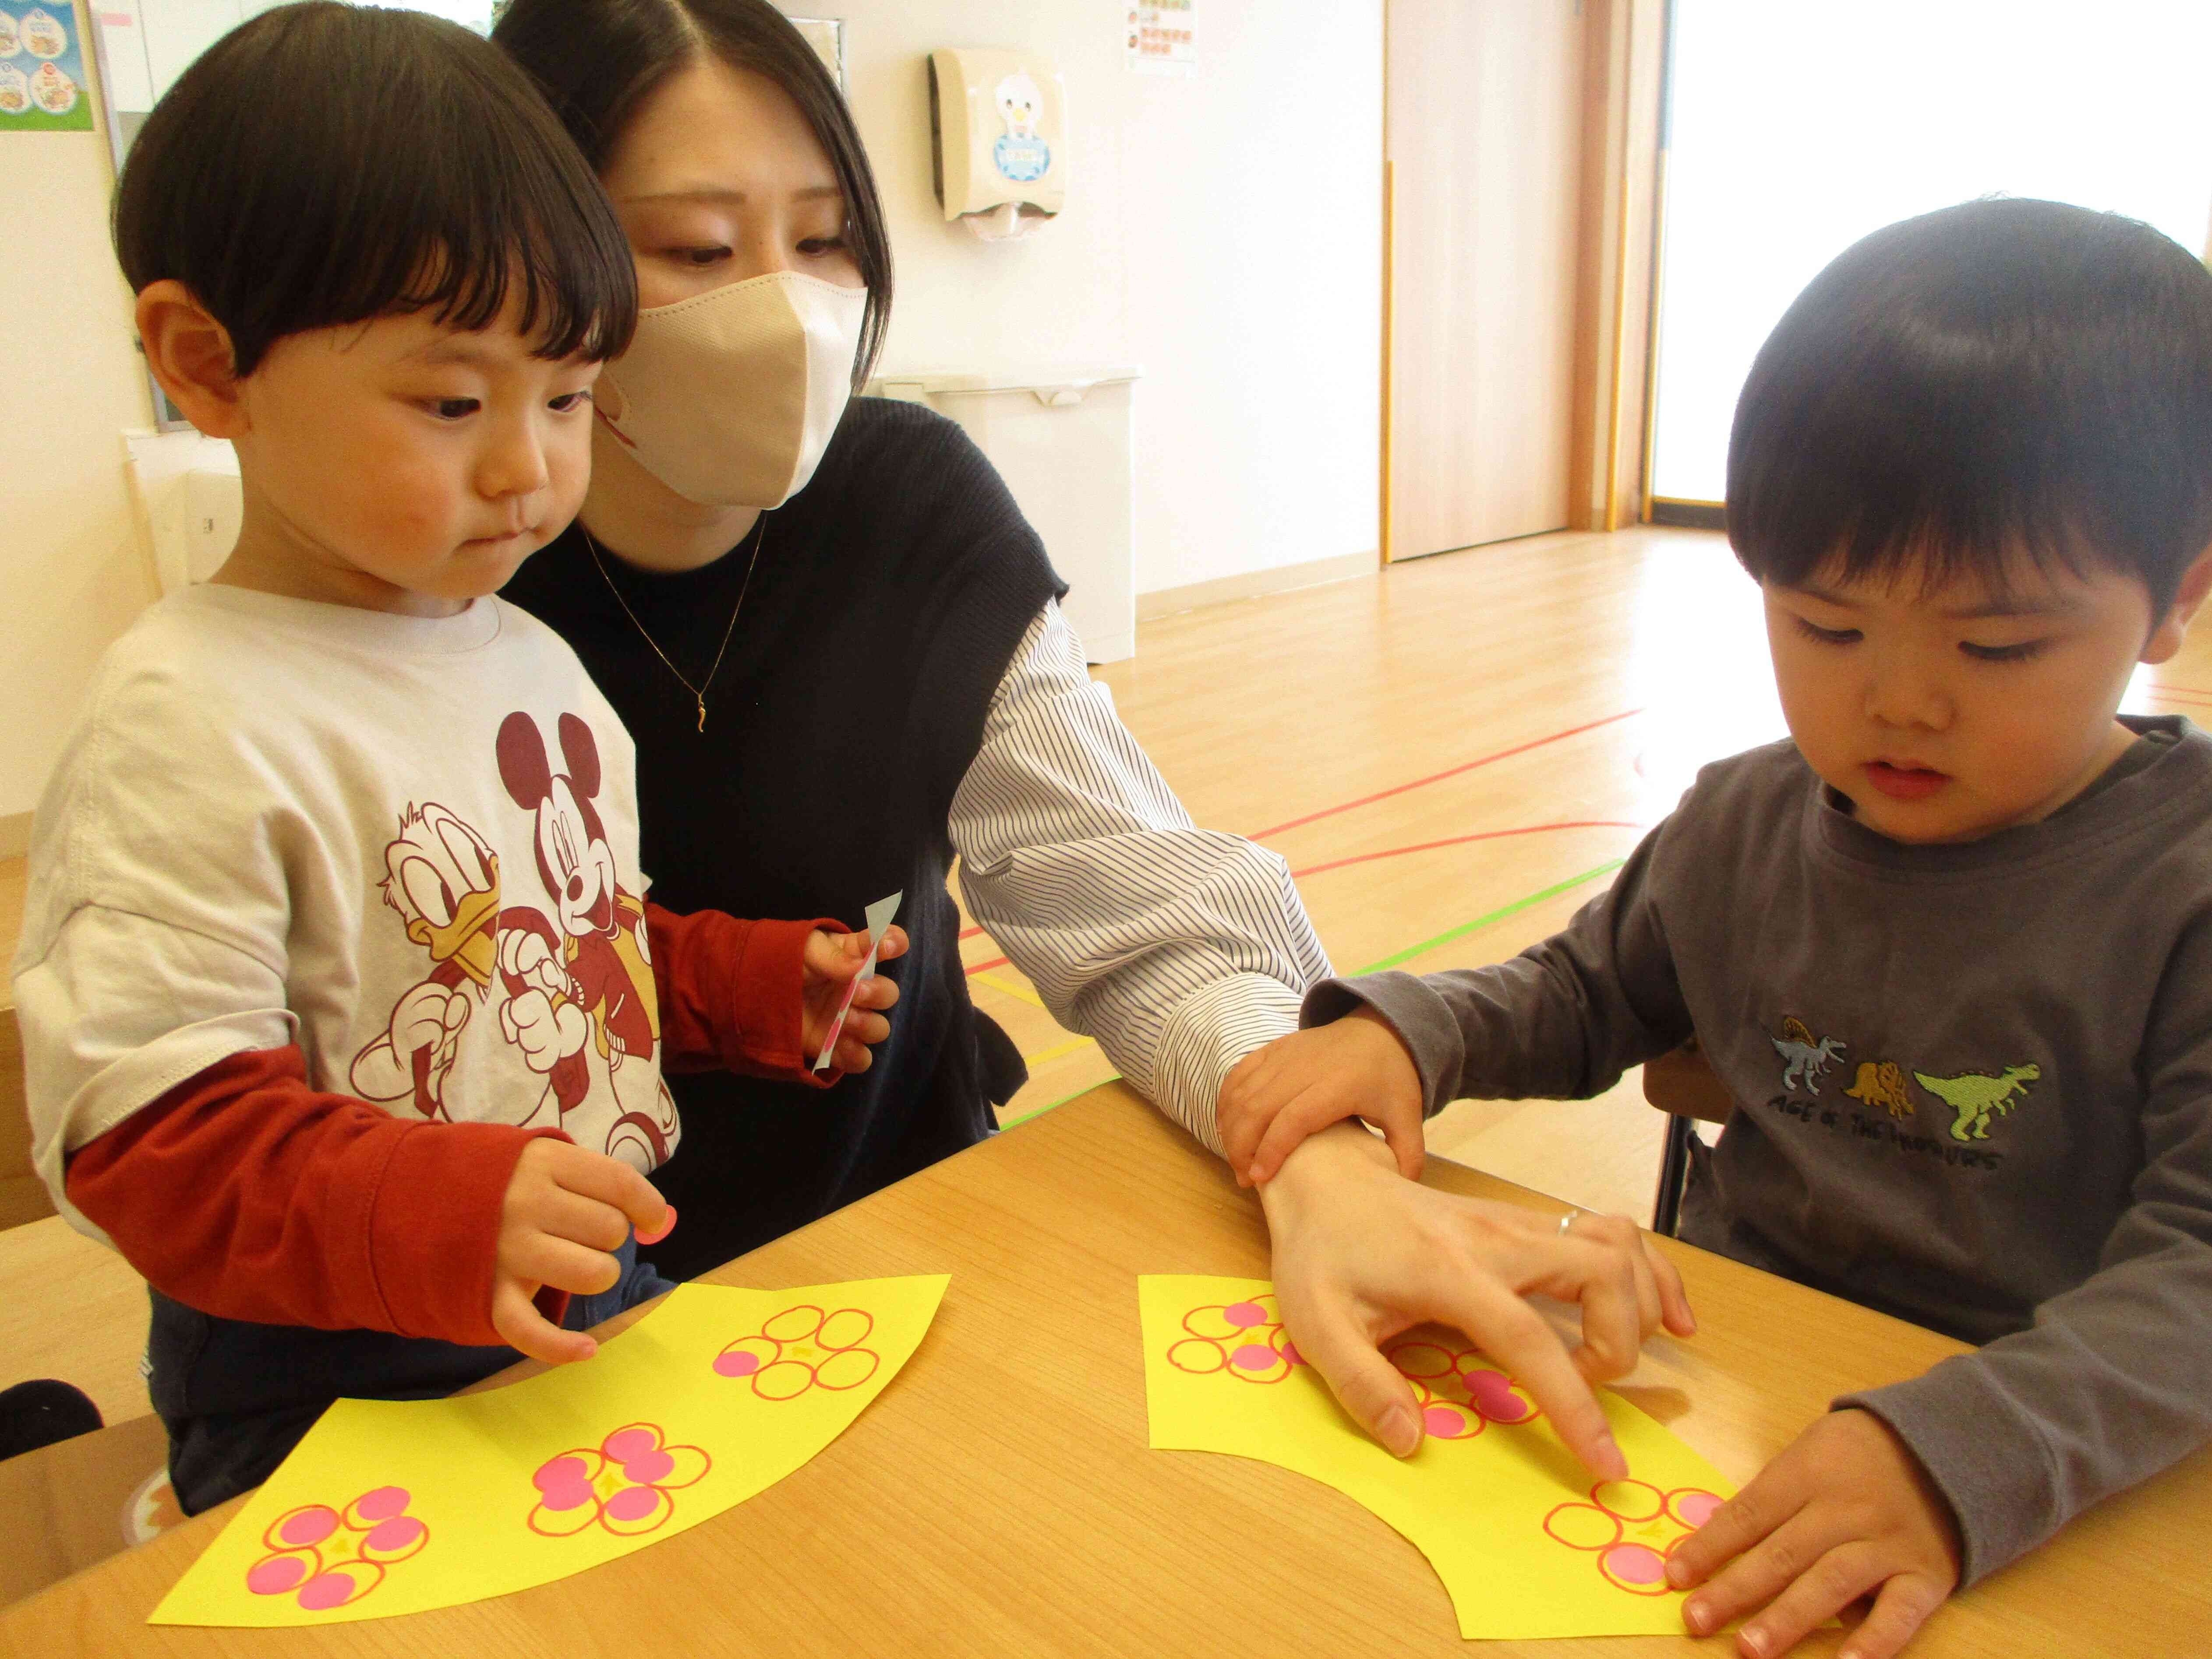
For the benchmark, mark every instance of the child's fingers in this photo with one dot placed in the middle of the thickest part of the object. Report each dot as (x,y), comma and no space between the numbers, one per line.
(894,945)
(1305,1116)
(865,1027)
(1407,1140)
(876,992)
(1731,1529)
(548,1259)
(853,1055)
(594,1175)
(1604,1284)
(1825,1587)
(525,1329)
(1903,1606)
(667,1226)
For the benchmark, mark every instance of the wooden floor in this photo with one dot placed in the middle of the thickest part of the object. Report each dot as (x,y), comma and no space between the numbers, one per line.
(1453,755)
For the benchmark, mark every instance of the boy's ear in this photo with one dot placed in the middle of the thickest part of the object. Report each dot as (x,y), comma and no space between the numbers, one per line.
(2166,635)
(190,354)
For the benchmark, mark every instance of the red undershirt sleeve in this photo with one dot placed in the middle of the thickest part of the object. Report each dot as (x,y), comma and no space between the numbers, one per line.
(732,994)
(246,1193)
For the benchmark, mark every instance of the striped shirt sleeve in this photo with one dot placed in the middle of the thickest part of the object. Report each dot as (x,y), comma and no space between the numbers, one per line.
(1181,950)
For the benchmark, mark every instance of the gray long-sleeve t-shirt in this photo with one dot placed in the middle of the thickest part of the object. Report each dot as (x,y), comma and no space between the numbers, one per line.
(1973,1087)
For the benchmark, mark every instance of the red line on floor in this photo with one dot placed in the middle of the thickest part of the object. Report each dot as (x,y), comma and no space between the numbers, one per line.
(2186,691)
(986,967)
(1461,841)
(1449,772)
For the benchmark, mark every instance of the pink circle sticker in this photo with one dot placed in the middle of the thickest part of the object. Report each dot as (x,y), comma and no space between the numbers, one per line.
(654,1465)
(276,1574)
(1633,1564)
(330,1591)
(1254,1357)
(1493,1392)
(1696,1508)
(1245,1314)
(627,1444)
(382,1504)
(311,1526)
(1444,1422)
(633,1503)
(558,1471)
(740,1363)
(397,1533)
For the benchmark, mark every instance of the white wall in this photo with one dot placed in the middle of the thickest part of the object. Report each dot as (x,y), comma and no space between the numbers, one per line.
(72,569)
(1223,231)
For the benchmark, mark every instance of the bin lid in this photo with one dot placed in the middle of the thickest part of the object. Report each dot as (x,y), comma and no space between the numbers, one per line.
(931,381)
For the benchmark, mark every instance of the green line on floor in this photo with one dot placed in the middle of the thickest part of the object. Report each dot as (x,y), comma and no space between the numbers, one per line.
(1404,956)
(1495,916)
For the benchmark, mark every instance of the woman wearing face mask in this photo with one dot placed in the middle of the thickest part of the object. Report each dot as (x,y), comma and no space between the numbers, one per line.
(840,650)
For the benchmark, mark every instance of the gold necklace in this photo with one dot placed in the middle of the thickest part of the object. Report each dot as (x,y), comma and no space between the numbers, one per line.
(698,692)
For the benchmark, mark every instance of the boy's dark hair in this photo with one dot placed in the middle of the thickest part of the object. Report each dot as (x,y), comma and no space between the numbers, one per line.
(324,164)
(598,61)
(1998,379)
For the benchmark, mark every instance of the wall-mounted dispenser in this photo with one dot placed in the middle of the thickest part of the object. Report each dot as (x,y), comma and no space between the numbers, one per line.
(998,125)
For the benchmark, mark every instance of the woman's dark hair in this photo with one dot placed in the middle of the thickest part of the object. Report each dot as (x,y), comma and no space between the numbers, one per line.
(1996,379)
(598,61)
(324,164)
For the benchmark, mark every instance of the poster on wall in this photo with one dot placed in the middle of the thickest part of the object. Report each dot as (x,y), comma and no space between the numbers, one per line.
(43,85)
(1162,36)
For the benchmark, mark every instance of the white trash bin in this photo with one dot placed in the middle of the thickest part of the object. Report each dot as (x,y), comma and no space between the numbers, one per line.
(1061,439)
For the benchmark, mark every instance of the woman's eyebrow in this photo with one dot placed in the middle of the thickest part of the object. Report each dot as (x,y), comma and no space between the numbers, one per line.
(725,193)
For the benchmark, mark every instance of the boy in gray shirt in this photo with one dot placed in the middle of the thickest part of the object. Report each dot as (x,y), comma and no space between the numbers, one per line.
(1949,947)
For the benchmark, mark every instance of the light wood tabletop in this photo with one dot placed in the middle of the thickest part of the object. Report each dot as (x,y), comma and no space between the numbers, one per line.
(999,1497)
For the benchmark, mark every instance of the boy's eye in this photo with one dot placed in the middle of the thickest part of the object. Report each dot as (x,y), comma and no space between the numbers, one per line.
(1828,635)
(816,247)
(453,408)
(568,400)
(710,255)
(2020,653)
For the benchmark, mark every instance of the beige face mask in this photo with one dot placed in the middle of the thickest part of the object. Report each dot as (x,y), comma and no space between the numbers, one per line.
(729,398)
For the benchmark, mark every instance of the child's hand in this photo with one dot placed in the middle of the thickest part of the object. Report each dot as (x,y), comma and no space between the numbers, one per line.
(832,960)
(1299,1084)
(1845,1511)
(566,1212)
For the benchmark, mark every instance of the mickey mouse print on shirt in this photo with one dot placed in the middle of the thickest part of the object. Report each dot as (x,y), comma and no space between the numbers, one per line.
(568,987)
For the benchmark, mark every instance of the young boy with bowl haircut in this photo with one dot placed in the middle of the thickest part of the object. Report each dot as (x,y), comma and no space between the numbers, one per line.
(1949,946)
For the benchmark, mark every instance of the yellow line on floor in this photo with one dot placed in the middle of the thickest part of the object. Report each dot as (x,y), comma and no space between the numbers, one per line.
(1019,993)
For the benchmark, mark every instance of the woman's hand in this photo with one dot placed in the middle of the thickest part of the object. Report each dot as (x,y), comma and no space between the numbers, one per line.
(565,1215)
(1361,1254)
(1845,1511)
(833,961)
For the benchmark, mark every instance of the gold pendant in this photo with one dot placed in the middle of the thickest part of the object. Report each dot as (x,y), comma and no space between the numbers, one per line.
(703,713)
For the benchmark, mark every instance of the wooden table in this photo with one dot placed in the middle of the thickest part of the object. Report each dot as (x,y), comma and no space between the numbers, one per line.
(1000,1498)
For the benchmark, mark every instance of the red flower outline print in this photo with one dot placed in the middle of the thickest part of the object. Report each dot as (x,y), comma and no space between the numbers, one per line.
(623,1484)
(326,1558)
(1244,1339)
(1632,1527)
(803,1347)
(1458,1393)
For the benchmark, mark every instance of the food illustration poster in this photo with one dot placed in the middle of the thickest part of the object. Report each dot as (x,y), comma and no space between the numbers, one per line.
(43,84)
(1162,36)
(394,1506)
(1526,1543)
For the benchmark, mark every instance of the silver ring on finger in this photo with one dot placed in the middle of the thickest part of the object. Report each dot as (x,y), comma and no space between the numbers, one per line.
(1567,1221)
